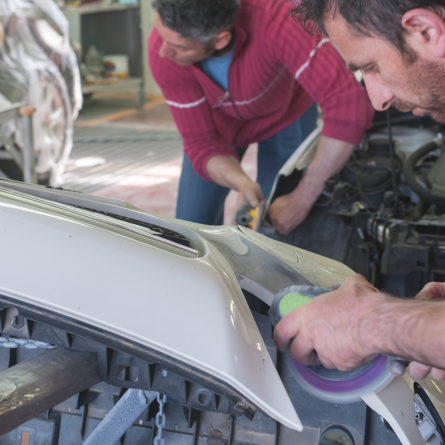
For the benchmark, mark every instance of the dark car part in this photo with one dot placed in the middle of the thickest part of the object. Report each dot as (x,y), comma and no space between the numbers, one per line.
(202,415)
(120,363)
(383,214)
(428,419)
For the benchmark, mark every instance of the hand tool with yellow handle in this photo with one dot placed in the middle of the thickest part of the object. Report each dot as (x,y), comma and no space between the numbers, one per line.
(249,216)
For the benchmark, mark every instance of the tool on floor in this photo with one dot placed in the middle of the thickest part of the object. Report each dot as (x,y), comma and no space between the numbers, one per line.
(330,384)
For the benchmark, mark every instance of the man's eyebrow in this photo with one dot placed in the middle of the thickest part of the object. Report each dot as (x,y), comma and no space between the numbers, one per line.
(176,45)
(352,67)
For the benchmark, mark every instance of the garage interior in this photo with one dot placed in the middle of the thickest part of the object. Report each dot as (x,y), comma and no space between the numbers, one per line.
(125,147)
(123,152)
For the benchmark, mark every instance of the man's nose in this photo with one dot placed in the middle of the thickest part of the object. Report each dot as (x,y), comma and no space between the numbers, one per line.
(165,50)
(380,94)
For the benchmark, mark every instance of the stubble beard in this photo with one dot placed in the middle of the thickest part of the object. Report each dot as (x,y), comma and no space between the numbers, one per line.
(427,83)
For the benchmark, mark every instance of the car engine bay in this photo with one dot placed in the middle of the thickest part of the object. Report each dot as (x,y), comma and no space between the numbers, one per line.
(383,214)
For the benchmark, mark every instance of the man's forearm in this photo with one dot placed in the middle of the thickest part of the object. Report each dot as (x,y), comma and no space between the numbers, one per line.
(288,211)
(355,322)
(227,171)
(330,157)
(410,328)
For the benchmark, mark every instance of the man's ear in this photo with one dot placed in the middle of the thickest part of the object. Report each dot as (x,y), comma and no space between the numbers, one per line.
(222,40)
(425,32)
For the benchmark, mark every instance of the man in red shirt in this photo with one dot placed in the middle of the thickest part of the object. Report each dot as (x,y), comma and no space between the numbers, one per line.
(234,73)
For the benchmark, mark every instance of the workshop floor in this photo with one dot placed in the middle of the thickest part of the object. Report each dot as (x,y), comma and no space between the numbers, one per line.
(124,152)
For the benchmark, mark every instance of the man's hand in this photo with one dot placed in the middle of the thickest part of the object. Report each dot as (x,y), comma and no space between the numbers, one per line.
(418,371)
(250,192)
(288,211)
(354,323)
(332,328)
(227,171)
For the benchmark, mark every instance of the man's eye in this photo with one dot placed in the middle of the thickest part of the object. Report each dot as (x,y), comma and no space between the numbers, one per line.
(368,69)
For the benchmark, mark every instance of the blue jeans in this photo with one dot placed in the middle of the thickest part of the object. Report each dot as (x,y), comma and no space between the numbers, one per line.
(202,201)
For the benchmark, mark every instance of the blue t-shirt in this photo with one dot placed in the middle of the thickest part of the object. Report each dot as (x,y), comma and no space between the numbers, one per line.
(217,68)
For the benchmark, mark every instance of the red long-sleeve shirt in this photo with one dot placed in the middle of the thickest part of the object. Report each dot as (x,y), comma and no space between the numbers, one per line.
(278,70)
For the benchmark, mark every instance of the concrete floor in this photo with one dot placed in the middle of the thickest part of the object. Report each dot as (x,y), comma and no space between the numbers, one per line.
(150,186)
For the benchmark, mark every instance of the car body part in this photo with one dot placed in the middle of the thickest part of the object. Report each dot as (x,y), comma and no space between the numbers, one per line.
(395,403)
(429,421)
(73,420)
(161,324)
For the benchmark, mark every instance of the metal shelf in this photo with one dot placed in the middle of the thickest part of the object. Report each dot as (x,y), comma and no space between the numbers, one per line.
(92,8)
(107,85)
(85,21)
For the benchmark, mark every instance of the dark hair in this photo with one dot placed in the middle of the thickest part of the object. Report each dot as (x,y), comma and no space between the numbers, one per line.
(378,17)
(200,20)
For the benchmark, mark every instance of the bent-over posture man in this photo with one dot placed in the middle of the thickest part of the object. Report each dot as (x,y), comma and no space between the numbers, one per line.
(235,72)
(399,46)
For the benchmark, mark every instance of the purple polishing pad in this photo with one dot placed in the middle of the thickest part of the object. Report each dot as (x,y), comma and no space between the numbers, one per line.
(343,386)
